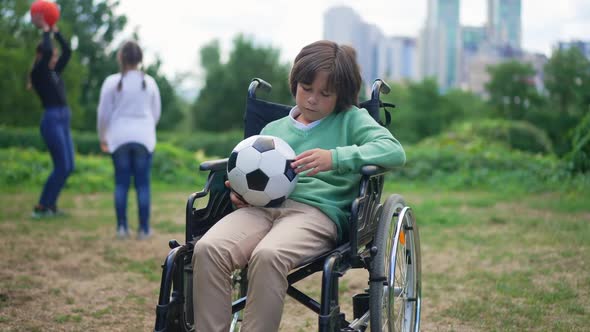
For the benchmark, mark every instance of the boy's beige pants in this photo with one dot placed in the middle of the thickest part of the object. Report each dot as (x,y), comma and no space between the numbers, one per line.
(271,241)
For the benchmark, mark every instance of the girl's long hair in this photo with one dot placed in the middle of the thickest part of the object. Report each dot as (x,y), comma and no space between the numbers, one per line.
(130,55)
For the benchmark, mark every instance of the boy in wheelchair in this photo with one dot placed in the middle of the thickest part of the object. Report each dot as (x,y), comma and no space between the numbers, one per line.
(333,139)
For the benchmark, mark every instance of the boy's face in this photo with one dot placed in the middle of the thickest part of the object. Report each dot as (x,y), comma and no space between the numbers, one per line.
(314,100)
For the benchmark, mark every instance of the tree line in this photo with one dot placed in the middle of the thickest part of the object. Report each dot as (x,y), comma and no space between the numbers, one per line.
(553,121)
(91,27)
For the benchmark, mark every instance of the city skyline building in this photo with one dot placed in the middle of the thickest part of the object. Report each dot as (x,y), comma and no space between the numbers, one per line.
(401,59)
(344,26)
(341,24)
(455,56)
(583,46)
(379,56)
(504,23)
(474,43)
(440,43)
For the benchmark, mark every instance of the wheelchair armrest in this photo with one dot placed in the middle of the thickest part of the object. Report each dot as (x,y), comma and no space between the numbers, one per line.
(373,170)
(214,165)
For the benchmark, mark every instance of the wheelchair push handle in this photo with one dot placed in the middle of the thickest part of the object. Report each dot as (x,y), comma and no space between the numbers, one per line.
(258,83)
(379,87)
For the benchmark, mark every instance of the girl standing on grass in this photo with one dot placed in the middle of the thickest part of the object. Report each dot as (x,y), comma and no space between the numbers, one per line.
(128,112)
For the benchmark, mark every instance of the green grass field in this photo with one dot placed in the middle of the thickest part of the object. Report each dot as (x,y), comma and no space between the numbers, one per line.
(491,262)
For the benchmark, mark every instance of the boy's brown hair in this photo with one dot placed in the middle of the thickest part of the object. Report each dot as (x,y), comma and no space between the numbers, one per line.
(339,61)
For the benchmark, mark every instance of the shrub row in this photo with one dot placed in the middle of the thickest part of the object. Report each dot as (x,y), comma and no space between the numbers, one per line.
(519,135)
(514,134)
(212,144)
(28,166)
(457,162)
(441,163)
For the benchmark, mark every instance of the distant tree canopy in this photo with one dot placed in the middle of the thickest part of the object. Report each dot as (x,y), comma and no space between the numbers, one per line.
(422,111)
(567,79)
(558,116)
(172,105)
(511,89)
(558,110)
(221,102)
(92,27)
(579,156)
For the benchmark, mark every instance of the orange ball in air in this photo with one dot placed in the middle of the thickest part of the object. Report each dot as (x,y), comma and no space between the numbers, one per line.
(48,9)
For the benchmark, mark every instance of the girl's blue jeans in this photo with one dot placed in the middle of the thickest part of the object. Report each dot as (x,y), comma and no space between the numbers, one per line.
(132,159)
(55,130)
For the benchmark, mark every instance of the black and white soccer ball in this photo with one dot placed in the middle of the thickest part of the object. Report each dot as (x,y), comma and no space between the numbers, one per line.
(259,170)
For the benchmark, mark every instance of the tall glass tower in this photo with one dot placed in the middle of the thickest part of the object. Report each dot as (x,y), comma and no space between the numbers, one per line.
(504,23)
(344,26)
(440,43)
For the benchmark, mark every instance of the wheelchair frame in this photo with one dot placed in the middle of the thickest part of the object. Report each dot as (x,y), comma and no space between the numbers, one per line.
(383,239)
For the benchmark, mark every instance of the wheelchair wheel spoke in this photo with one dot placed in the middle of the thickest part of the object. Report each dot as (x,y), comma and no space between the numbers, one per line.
(400,287)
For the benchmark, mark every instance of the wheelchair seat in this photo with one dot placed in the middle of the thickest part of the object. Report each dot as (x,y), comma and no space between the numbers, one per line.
(383,239)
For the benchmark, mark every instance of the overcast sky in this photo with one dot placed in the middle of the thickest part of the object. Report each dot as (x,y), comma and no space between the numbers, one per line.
(176,29)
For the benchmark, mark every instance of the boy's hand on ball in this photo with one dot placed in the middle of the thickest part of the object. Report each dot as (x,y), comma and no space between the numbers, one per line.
(315,160)
(235,199)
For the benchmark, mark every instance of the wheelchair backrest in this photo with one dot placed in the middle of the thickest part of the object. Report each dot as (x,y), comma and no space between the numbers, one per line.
(260,112)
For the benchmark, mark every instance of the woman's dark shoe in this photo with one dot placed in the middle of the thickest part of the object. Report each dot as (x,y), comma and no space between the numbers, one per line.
(39,212)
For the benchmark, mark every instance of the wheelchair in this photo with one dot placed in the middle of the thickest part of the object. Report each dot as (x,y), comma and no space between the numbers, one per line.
(383,239)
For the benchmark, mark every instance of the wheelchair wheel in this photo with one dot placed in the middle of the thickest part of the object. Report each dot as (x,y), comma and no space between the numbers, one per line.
(395,286)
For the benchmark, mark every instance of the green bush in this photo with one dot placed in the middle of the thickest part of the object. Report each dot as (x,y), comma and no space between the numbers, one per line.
(520,135)
(213,144)
(210,143)
(451,160)
(173,165)
(459,162)
(84,142)
(30,167)
(579,157)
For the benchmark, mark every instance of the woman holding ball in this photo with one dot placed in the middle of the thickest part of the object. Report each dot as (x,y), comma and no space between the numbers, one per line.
(45,79)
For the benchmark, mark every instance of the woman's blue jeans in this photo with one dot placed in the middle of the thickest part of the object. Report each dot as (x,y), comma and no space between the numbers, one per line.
(132,159)
(55,130)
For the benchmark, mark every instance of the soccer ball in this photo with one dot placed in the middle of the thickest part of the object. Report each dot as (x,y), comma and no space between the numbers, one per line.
(259,170)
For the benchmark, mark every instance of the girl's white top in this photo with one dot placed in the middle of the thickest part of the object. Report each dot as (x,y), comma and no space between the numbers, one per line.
(129,115)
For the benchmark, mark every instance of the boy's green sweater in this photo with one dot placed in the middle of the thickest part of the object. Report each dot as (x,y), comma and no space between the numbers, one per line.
(355,139)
